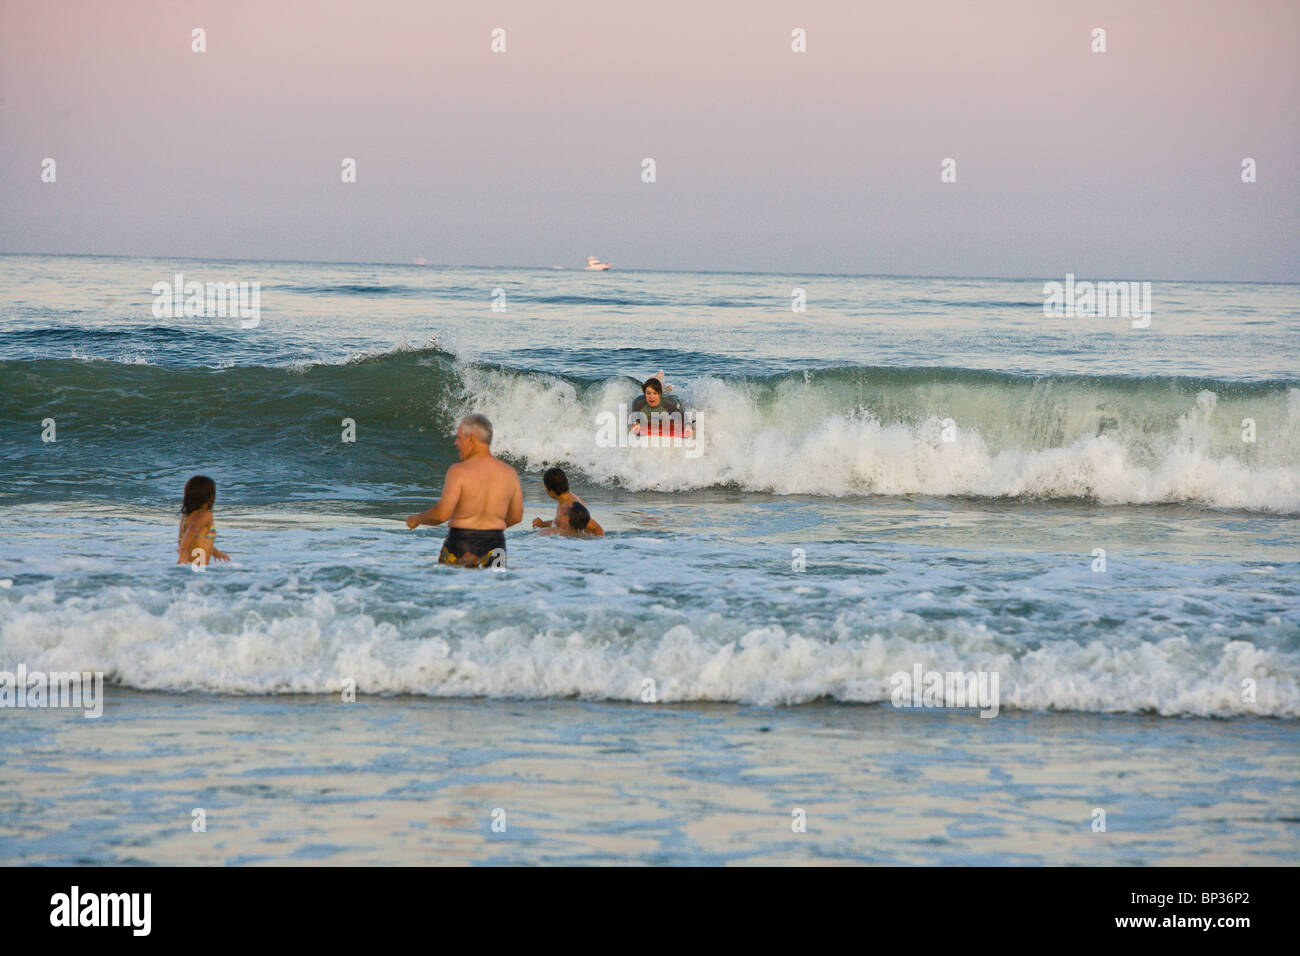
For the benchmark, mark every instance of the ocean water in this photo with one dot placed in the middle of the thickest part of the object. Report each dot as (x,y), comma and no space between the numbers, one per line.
(913,471)
(301,779)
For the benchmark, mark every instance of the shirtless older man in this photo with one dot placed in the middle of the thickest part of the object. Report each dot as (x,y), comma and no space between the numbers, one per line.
(481,497)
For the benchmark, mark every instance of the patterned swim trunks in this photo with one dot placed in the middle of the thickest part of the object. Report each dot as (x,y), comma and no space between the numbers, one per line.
(474,548)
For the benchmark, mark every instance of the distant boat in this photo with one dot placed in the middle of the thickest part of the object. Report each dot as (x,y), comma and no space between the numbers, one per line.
(595,264)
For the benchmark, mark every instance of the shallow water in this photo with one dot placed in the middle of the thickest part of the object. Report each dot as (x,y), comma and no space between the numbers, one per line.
(409,780)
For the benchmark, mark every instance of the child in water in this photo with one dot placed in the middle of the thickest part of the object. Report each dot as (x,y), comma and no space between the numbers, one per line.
(576,523)
(557,487)
(196,539)
(653,401)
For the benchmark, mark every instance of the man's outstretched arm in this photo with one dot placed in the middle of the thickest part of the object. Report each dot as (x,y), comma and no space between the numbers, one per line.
(515,513)
(446,506)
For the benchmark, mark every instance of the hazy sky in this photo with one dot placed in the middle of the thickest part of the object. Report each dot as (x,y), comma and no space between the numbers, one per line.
(1123,164)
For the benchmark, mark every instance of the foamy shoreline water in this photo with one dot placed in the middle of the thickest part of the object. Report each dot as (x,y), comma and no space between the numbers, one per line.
(347,593)
(407,780)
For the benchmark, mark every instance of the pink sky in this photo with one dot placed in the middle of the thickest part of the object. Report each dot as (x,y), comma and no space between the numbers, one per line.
(1123,164)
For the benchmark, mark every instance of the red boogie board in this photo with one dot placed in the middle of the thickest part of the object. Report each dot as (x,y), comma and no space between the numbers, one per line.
(669,429)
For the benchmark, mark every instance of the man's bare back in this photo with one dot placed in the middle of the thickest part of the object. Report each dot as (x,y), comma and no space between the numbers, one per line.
(481,497)
(484,487)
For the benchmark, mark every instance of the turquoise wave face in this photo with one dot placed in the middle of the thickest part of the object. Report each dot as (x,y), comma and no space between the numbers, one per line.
(359,429)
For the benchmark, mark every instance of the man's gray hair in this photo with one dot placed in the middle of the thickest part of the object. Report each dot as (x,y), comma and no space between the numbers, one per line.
(479,427)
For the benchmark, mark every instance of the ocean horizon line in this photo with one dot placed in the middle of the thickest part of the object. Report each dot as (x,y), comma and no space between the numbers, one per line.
(553,268)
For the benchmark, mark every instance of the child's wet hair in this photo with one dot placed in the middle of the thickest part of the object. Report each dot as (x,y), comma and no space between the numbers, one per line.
(200,492)
(579,516)
(556,480)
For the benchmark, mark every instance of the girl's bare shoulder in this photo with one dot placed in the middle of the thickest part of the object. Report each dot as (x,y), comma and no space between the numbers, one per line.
(195,519)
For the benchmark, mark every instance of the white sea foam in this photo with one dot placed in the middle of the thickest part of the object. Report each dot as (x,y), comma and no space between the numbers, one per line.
(193,643)
(1055,440)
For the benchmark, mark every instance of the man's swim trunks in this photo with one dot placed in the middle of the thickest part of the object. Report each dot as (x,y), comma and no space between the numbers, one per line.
(474,548)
